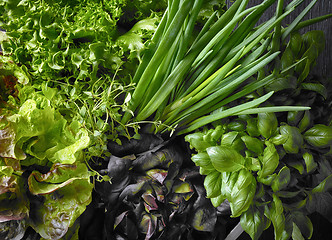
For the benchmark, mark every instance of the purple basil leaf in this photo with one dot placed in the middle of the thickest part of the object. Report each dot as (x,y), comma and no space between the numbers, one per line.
(118,167)
(148,225)
(204,215)
(158,175)
(133,190)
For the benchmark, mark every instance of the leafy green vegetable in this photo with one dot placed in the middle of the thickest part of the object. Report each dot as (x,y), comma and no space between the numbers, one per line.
(225,159)
(319,136)
(45,134)
(190,86)
(59,210)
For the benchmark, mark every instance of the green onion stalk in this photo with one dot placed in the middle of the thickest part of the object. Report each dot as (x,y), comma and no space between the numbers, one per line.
(186,82)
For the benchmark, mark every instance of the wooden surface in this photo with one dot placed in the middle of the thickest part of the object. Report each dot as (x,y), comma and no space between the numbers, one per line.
(322,7)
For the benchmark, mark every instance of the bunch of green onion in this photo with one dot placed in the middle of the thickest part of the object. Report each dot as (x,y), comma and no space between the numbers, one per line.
(186,82)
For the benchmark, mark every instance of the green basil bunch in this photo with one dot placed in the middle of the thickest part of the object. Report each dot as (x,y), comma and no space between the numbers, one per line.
(262,166)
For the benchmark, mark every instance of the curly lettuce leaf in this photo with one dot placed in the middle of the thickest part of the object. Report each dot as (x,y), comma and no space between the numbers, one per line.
(44,134)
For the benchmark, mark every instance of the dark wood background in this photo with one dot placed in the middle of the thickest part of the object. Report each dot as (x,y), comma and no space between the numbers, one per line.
(322,7)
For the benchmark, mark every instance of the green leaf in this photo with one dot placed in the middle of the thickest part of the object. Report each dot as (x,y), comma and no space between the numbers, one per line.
(214,135)
(242,193)
(316,87)
(297,164)
(197,141)
(236,125)
(323,186)
(229,138)
(58,177)
(303,223)
(59,210)
(228,181)
(269,160)
(295,42)
(45,134)
(203,160)
(294,117)
(319,136)
(252,128)
(282,180)
(212,184)
(253,164)
(8,146)
(267,124)
(278,219)
(305,121)
(294,138)
(225,159)
(267,180)
(253,144)
(310,163)
(216,201)
(253,221)
(69,154)
(296,234)
(233,140)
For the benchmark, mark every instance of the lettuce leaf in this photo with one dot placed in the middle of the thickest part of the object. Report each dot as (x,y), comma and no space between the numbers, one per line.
(59,204)
(45,134)
(13,202)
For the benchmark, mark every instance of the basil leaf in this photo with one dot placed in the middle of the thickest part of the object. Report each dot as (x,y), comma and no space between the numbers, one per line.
(252,128)
(253,144)
(253,164)
(197,141)
(267,124)
(282,180)
(296,163)
(323,186)
(212,184)
(225,159)
(216,201)
(267,180)
(305,121)
(316,87)
(276,215)
(202,159)
(294,138)
(269,160)
(310,163)
(319,136)
(253,221)
(294,117)
(296,233)
(228,181)
(232,139)
(303,223)
(242,193)
(237,125)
